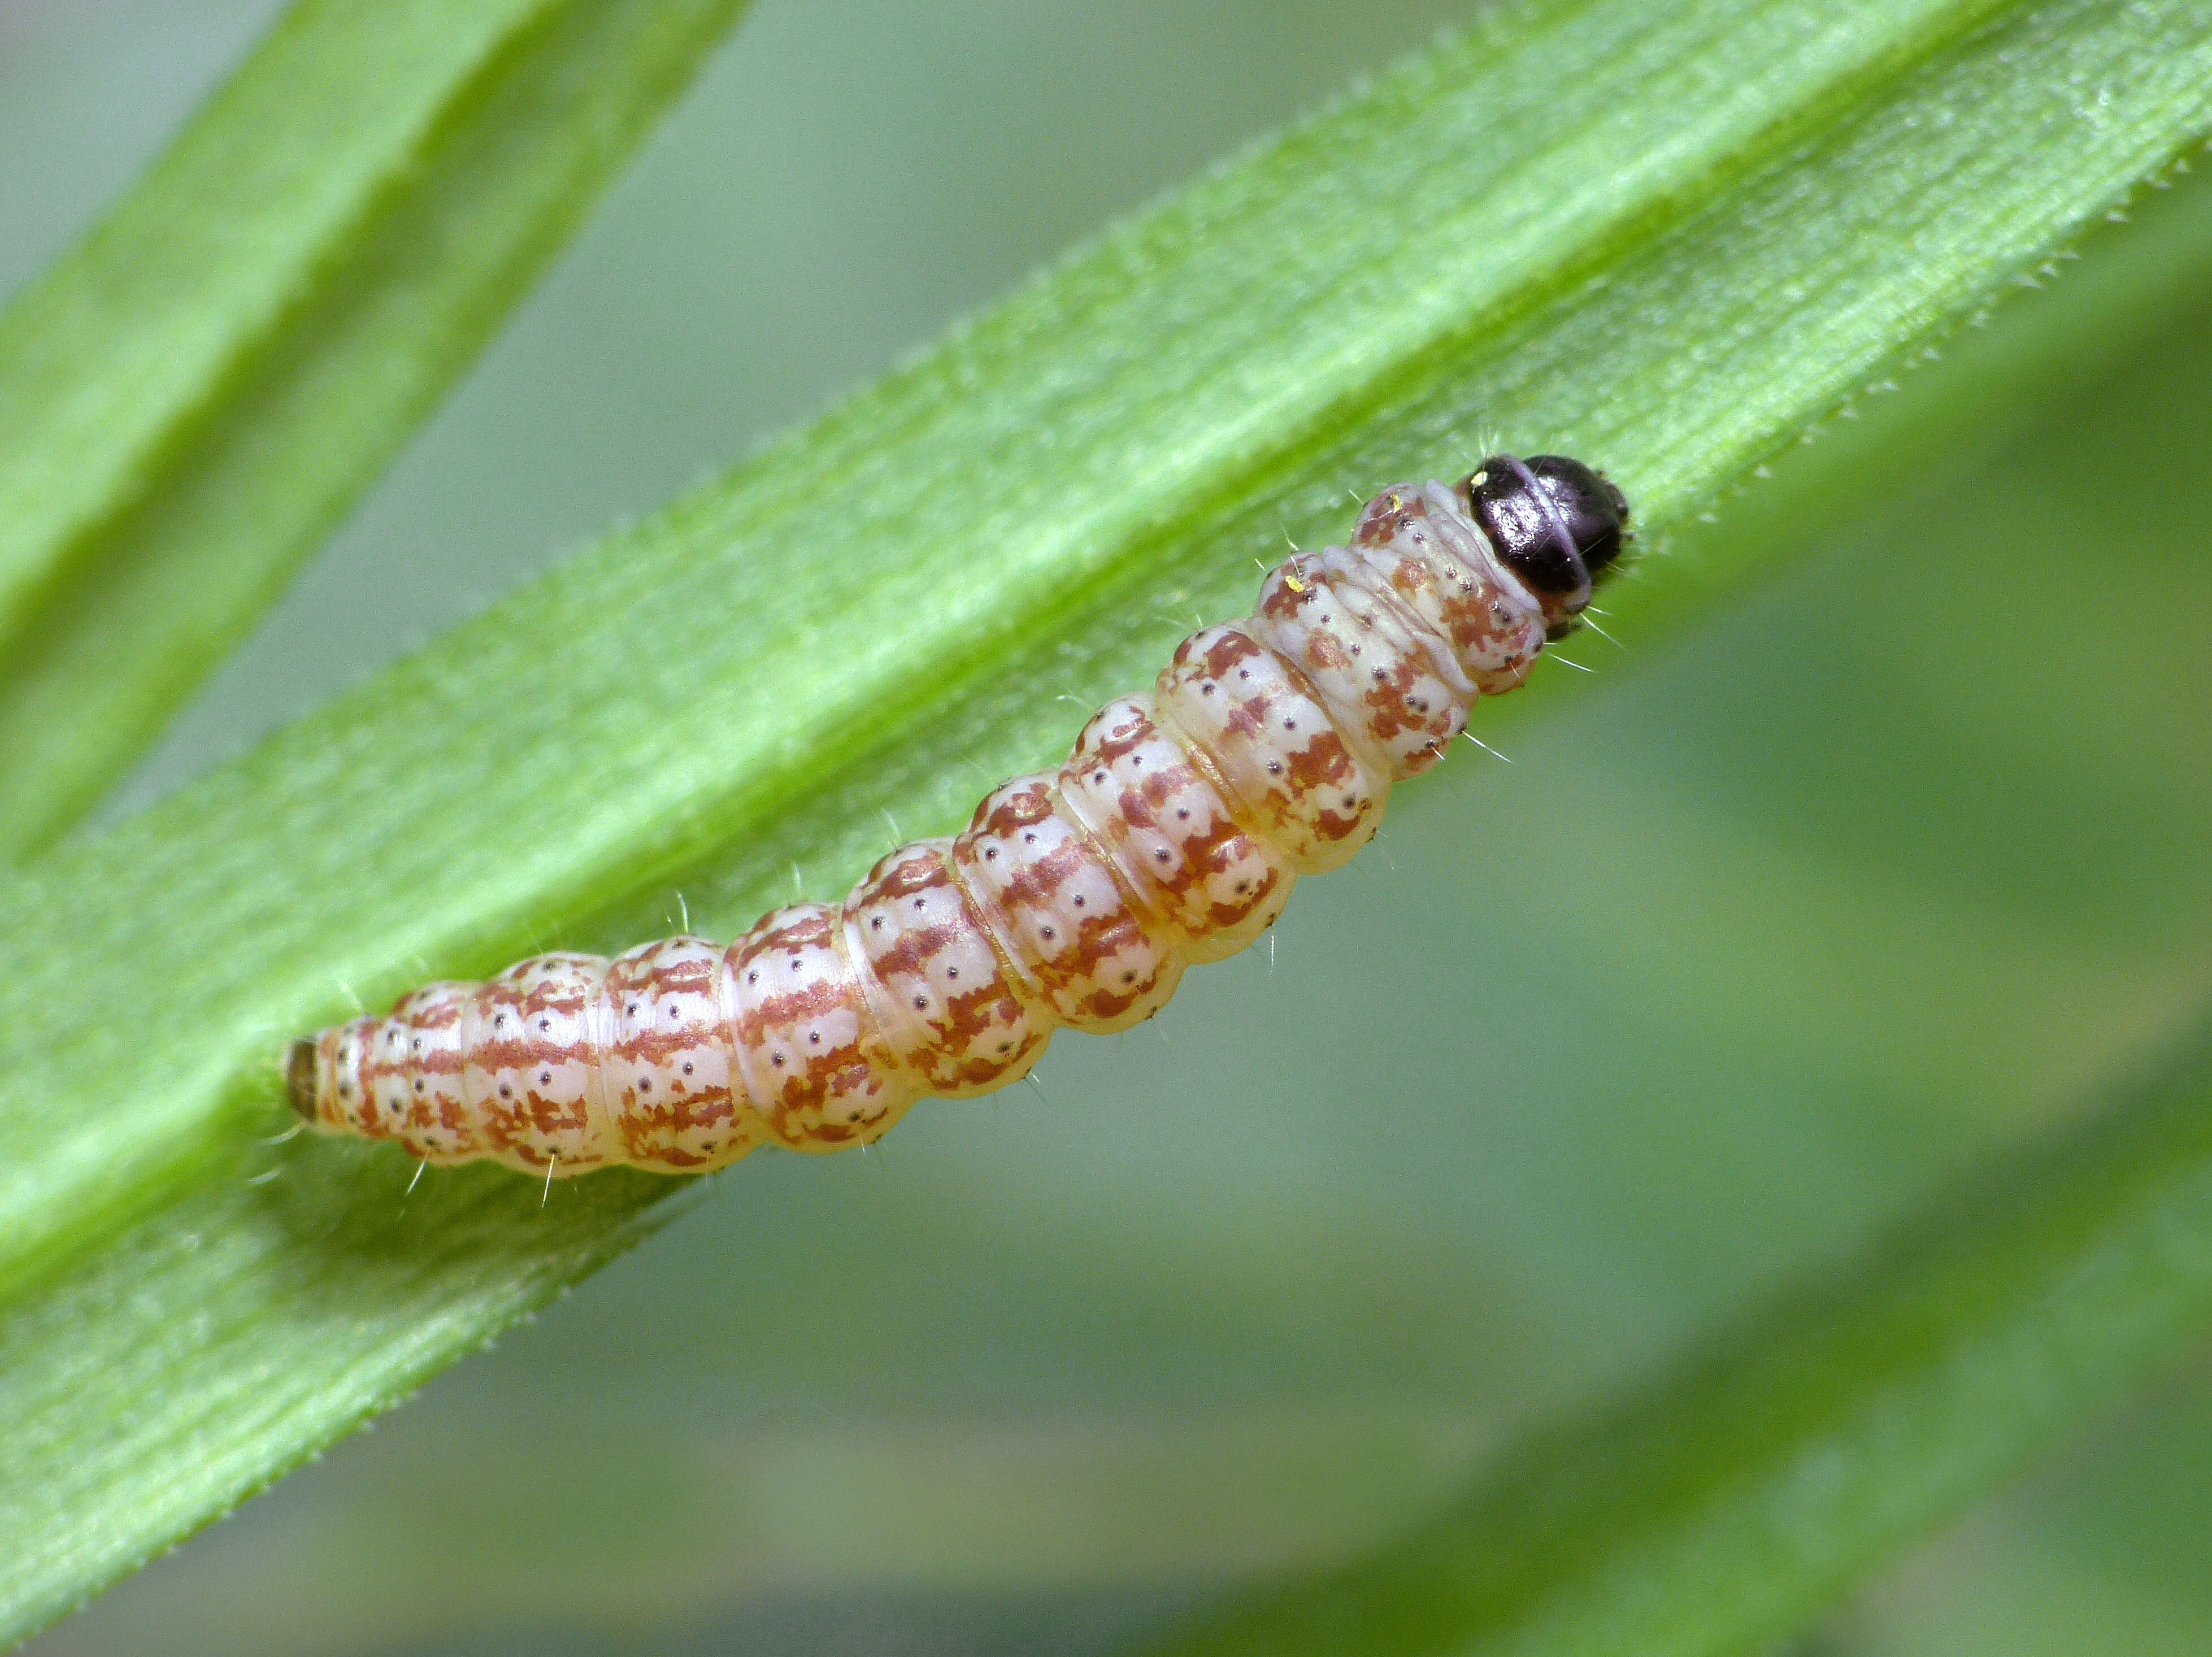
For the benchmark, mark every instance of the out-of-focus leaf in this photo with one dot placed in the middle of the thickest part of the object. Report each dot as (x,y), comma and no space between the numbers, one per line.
(1719,1510)
(195,395)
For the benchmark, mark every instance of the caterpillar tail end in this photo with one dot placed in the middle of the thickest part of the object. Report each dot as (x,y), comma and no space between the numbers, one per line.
(299,1067)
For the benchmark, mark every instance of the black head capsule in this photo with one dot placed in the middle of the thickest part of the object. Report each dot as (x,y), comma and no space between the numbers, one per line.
(1554,523)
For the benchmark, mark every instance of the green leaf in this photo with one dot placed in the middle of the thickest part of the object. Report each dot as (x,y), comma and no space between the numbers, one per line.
(194,396)
(1721,1508)
(1730,221)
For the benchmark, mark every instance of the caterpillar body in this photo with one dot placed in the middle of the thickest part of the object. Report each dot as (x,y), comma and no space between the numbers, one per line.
(1173,833)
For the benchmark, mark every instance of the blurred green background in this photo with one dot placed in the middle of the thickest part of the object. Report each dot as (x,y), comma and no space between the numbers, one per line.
(1767,930)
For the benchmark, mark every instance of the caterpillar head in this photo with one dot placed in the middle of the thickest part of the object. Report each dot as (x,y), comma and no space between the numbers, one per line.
(1554,523)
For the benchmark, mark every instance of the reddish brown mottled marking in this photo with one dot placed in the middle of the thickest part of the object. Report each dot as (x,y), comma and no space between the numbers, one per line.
(1174,834)
(949,1006)
(1396,695)
(1430,555)
(438,1123)
(815,1064)
(1171,834)
(666,1078)
(534,1068)
(382,1106)
(1285,763)
(1055,907)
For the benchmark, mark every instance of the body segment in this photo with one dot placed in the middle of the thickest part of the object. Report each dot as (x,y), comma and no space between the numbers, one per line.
(1172,834)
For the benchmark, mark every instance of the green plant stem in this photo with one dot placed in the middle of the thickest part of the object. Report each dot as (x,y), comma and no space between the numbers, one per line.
(192,398)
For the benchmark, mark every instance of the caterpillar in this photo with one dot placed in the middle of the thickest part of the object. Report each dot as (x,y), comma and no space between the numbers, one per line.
(1173,835)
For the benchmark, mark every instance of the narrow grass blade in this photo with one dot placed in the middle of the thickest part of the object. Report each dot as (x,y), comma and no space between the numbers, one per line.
(1720,1509)
(1730,221)
(195,395)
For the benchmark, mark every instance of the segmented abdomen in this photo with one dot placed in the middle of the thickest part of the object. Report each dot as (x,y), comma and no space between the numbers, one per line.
(1172,834)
